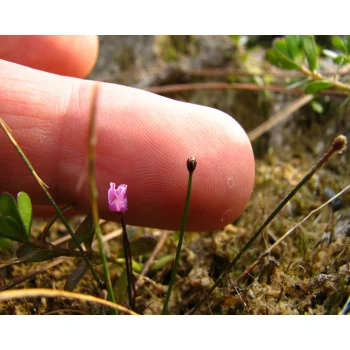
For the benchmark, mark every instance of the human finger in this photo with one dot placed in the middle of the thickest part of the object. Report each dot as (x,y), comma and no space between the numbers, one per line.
(70,55)
(144,141)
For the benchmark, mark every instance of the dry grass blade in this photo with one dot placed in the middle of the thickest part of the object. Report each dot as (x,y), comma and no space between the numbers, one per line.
(66,310)
(91,158)
(282,238)
(50,293)
(279,117)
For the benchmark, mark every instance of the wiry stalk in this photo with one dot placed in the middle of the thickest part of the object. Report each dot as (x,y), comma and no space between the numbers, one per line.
(128,265)
(191,165)
(94,193)
(338,145)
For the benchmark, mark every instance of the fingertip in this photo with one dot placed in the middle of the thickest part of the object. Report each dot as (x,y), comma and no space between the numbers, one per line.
(225,173)
(143,140)
(67,55)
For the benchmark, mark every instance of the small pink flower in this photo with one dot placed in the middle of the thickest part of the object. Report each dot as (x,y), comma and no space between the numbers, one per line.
(117,200)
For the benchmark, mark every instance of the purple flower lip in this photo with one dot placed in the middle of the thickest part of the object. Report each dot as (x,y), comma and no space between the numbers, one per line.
(117,199)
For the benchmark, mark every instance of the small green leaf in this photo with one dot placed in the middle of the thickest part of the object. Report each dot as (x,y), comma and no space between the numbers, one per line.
(341,60)
(318,85)
(76,276)
(135,265)
(339,44)
(120,288)
(348,44)
(8,207)
(140,246)
(293,43)
(12,229)
(5,243)
(25,211)
(281,45)
(280,60)
(310,50)
(317,107)
(176,236)
(160,263)
(84,233)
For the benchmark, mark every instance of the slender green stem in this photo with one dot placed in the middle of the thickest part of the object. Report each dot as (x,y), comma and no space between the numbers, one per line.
(128,264)
(317,76)
(94,193)
(181,236)
(51,200)
(338,145)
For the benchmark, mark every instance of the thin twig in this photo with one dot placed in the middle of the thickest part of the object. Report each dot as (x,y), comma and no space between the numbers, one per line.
(92,139)
(282,238)
(109,236)
(236,86)
(224,72)
(279,117)
(105,239)
(338,146)
(56,293)
(150,261)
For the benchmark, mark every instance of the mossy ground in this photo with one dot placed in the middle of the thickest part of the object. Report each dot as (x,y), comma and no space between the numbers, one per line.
(308,273)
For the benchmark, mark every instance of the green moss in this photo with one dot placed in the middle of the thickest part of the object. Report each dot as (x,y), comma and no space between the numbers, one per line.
(172,47)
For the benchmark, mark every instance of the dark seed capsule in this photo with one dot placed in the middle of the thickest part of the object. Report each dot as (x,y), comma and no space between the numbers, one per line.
(339,143)
(191,164)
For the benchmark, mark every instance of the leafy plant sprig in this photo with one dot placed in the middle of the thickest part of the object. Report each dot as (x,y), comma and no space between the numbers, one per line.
(292,51)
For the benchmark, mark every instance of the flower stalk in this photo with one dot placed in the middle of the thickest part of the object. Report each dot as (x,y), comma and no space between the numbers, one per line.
(191,166)
(118,202)
(128,264)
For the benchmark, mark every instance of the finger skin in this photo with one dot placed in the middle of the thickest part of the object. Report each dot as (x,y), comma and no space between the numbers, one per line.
(70,55)
(143,140)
